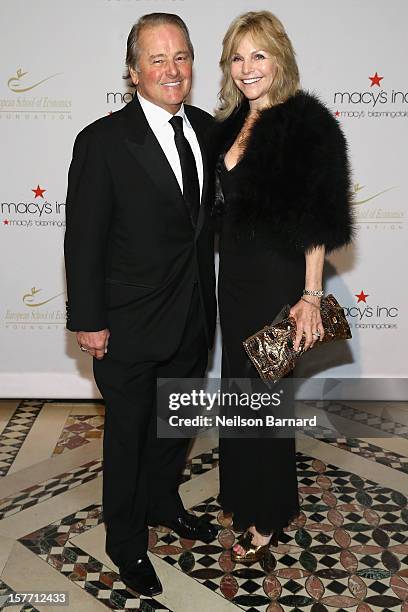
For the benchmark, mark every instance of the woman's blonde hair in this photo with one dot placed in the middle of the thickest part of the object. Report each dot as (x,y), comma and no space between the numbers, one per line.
(267,32)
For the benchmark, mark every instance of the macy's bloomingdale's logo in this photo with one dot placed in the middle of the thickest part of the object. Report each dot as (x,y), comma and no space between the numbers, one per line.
(119,97)
(33,213)
(35,312)
(375,217)
(367,316)
(370,101)
(32,106)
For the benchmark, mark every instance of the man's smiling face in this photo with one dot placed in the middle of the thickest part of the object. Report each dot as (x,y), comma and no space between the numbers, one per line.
(164,69)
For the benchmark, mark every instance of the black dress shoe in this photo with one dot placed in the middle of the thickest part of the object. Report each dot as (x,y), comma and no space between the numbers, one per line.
(139,576)
(190,527)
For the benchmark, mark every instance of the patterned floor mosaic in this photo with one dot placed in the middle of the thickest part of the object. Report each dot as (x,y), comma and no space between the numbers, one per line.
(347,549)
(374,453)
(53,545)
(79,430)
(361,447)
(16,431)
(75,477)
(50,488)
(5,593)
(196,466)
(361,416)
(200,464)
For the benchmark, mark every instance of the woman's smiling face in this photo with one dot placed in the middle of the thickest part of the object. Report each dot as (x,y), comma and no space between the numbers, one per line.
(253,71)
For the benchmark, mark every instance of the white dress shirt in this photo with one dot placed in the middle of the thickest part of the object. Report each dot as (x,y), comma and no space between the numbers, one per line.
(158,119)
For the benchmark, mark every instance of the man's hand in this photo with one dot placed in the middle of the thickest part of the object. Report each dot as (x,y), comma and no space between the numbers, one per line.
(95,343)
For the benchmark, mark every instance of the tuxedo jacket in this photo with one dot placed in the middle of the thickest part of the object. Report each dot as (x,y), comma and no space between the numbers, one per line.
(132,255)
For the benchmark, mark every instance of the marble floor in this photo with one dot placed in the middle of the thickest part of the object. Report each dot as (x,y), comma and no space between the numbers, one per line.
(347,550)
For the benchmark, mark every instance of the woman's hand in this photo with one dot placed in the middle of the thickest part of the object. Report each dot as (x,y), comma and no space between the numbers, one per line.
(308,321)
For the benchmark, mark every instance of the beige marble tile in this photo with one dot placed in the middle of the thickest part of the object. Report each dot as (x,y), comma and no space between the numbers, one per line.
(17,525)
(365,468)
(7,407)
(31,519)
(6,546)
(87,408)
(180,592)
(93,542)
(203,444)
(42,438)
(55,465)
(24,570)
(61,404)
(197,489)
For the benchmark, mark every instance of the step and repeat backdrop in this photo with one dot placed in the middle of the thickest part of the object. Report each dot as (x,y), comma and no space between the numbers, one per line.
(61,67)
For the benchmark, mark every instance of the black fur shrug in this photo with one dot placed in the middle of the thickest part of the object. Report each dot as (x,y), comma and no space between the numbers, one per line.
(294,176)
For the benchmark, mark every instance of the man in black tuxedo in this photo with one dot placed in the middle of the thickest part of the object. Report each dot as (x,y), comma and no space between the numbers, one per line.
(140,280)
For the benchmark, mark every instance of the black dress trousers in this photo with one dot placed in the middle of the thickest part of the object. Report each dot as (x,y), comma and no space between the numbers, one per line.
(141,473)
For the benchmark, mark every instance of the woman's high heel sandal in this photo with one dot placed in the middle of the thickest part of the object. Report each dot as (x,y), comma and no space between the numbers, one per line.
(252,553)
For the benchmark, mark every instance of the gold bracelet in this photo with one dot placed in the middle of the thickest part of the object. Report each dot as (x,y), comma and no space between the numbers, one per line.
(315,292)
(311,303)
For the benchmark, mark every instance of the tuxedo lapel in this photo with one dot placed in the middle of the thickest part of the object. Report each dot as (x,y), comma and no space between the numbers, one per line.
(144,146)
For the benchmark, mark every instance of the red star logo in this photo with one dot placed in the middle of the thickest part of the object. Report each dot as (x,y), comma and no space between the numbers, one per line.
(5,222)
(361,296)
(375,80)
(38,192)
(337,114)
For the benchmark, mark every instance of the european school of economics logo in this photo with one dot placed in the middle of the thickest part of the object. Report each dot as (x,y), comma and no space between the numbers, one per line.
(37,309)
(368,213)
(366,314)
(375,101)
(36,212)
(26,101)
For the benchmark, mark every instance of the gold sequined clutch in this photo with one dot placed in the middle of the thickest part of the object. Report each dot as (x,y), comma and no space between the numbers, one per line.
(271,348)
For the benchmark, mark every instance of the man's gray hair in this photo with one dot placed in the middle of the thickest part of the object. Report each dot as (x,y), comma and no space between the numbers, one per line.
(151,20)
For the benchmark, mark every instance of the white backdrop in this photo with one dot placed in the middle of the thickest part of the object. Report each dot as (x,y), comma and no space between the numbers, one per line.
(61,64)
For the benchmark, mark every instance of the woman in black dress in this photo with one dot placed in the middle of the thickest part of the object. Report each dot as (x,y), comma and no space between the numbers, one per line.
(284,201)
